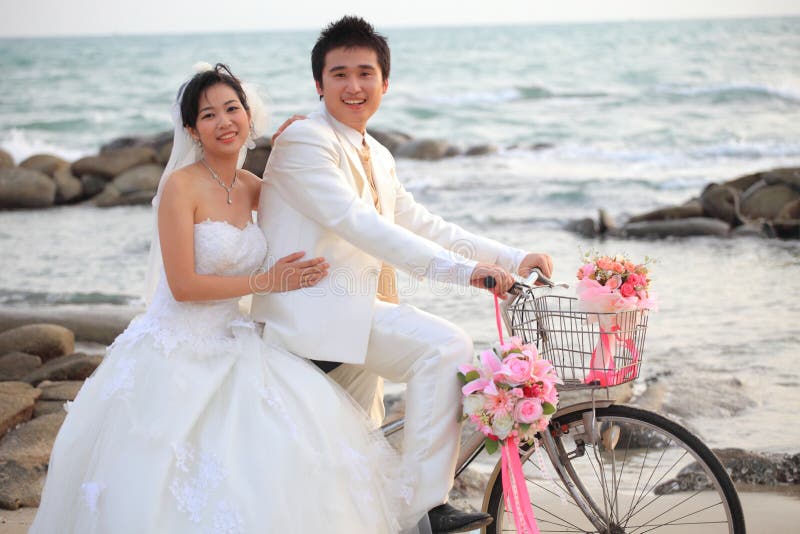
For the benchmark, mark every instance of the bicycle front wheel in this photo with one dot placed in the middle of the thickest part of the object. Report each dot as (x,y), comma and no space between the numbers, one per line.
(623,470)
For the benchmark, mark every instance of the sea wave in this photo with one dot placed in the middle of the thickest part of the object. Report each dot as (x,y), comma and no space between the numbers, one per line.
(41,298)
(511,94)
(734,92)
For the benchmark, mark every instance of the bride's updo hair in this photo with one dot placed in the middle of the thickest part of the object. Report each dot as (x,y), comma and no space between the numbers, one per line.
(200,82)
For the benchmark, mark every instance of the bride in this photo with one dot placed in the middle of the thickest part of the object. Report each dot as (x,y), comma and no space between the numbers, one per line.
(193,423)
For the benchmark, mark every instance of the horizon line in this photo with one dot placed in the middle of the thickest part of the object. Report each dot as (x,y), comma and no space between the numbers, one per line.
(554,22)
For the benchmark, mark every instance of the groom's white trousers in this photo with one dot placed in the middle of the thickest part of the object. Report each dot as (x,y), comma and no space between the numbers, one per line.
(410,346)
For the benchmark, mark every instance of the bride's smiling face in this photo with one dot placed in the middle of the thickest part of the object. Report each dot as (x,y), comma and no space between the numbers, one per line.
(223,124)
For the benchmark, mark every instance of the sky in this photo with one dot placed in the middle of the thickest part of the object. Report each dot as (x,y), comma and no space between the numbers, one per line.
(98,17)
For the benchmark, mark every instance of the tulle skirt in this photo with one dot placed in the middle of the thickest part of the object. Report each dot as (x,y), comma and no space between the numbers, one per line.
(244,439)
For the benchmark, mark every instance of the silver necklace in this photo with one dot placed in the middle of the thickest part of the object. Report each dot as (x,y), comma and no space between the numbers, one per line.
(217,179)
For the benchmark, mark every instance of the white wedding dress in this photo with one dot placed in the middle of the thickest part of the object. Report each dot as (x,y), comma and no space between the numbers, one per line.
(193,424)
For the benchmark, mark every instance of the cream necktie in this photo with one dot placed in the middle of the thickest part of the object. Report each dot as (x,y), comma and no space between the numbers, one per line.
(387,279)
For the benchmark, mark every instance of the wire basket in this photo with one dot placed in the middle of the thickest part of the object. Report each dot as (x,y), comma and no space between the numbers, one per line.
(588,350)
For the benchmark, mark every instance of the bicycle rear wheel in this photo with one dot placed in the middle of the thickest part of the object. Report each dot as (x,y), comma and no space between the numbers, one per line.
(632,471)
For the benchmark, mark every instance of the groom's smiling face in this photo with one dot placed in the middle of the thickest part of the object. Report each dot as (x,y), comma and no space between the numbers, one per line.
(352,85)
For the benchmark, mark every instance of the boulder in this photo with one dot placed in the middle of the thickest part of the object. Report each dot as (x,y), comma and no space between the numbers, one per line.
(790,211)
(44,163)
(76,366)
(141,178)
(391,139)
(789,177)
(114,162)
(481,150)
(164,153)
(98,324)
(111,197)
(787,229)
(605,222)
(690,209)
(156,142)
(721,202)
(17,400)
(92,185)
(256,160)
(426,149)
(47,341)
(586,227)
(65,390)
(742,183)
(693,226)
(47,407)
(6,160)
(68,187)
(15,365)
(25,188)
(766,201)
(744,467)
(754,229)
(24,455)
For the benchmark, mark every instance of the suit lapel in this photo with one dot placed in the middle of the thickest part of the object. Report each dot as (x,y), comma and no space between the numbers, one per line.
(356,169)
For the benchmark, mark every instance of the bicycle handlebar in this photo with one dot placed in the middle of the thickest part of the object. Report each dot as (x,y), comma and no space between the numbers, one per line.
(535,276)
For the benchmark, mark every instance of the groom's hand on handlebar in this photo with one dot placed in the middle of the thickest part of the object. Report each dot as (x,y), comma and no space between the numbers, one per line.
(536,260)
(503,279)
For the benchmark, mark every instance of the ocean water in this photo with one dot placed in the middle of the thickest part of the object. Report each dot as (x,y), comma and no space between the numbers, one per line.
(633,116)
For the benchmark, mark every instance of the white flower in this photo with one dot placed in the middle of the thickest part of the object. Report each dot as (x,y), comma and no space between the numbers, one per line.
(474,403)
(502,426)
(202,66)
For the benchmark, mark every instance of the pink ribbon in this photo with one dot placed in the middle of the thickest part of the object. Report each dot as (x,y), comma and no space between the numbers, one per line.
(515,491)
(607,375)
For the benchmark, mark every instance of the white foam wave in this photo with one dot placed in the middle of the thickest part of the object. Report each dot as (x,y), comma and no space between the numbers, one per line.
(22,144)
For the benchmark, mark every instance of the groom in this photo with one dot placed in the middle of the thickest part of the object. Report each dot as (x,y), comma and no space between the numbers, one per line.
(330,189)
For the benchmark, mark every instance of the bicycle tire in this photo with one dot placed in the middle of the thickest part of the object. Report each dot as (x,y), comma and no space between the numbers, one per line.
(642,434)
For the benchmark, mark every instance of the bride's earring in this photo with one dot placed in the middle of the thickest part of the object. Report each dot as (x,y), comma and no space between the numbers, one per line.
(251,138)
(198,144)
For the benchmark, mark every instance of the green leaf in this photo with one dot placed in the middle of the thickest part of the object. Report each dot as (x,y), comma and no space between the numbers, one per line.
(524,427)
(473,375)
(462,377)
(548,408)
(491,445)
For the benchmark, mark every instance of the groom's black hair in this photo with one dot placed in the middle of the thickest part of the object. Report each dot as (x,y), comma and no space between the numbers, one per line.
(200,82)
(349,32)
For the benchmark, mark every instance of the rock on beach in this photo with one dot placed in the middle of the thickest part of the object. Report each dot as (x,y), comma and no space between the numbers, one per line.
(25,188)
(47,341)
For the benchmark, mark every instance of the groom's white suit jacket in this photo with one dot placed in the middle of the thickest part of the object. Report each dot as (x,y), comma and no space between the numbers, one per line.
(316,198)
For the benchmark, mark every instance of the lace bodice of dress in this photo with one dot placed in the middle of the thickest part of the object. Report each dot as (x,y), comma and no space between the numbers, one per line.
(220,248)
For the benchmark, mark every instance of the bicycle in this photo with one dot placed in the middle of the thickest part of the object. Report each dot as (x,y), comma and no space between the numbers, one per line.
(607,468)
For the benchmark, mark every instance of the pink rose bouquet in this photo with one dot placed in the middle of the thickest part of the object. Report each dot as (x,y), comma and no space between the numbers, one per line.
(607,286)
(509,393)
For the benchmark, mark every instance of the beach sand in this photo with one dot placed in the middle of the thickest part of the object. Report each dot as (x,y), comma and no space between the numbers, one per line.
(766,510)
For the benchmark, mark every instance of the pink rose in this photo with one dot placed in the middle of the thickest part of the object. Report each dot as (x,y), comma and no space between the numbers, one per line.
(519,370)
(629,266)
(614,282)
(528,410)
(605,263)
(586,271)
(617,267)
(627,289)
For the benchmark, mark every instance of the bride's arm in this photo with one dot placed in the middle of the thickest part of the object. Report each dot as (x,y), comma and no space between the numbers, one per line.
(176,233)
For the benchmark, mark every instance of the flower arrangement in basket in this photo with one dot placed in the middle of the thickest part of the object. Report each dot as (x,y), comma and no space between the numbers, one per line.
(609,286)
(510,395)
